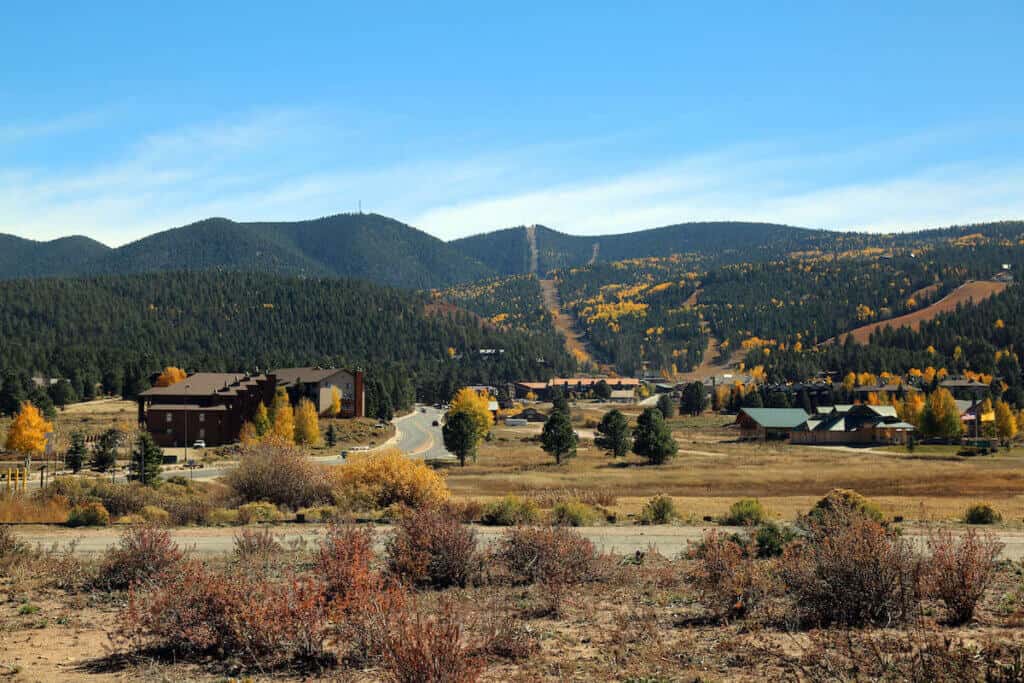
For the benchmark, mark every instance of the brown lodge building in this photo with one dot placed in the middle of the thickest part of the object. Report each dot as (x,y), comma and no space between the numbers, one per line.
(213,406)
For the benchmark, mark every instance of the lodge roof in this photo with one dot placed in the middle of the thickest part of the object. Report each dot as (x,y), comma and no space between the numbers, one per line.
(776,418)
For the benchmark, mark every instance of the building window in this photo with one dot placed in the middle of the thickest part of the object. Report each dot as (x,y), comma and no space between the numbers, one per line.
(202,417)
(202,433)
(170,431)
(170,417)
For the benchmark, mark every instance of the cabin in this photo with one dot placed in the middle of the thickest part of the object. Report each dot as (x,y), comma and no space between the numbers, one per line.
(856,425)
(766,424)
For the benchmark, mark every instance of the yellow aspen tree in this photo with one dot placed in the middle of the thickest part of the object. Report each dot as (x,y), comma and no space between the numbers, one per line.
(283,421)
(28,431)
(1006,421)
(335,402)
(170,375)
(249,435)
(475,405)
(261,420)
(307,424)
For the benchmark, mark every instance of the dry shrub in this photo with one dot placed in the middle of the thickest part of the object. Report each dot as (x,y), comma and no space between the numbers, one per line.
(196,610)
(221,517)
(89,514)
(467,511)
(344,560)
(280,474)
(261,512)
(155,515)
(142,553)
(659,510)
(850,570)
(508,637)
(509,511)
(381,479)
(745,512)
(574,513)
(185,504)
(918,655)
(432,548)
(257,545)
(731,582)
(960,569)
(982,513)
(548,554)
(430,646)
(843,502)
(20,508)
(549,498)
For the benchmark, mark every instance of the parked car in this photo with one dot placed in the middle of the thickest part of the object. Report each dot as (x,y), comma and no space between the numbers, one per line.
(199,443)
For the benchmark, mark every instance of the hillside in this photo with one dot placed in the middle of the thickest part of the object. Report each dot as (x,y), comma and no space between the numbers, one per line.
(365,246)
(20,257)
(507,251)
(95,329)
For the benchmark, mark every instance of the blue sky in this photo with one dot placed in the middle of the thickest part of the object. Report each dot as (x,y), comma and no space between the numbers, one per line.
(121,119)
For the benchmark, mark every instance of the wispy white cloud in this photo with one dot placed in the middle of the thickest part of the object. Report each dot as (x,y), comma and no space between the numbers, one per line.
(300,163)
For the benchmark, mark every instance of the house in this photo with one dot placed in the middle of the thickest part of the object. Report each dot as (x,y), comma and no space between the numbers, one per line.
(577,385)
(762,424)
(973,418)
(858,425)
(317,384)
(207,406)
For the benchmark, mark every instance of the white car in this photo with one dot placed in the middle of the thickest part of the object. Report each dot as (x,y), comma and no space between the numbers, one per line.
(199,444)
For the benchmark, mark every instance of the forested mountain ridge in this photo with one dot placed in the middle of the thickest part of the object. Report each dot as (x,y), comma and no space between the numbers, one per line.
(119,329)
(365,246)
(20,257)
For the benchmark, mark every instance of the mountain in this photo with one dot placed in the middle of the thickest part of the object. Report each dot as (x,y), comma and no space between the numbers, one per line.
(364,246)
(508,251)
(28,258)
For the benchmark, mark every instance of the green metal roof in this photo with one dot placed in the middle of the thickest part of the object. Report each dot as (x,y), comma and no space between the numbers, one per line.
(777,418)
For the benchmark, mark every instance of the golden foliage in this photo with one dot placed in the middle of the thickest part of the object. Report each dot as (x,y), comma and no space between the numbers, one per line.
(335,402)
(1006,421)
(473,404)
(170,375)
(384,478)
(283,421)
(307,424)
(27,433)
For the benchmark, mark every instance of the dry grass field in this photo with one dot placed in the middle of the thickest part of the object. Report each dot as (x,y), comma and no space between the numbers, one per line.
(713,470)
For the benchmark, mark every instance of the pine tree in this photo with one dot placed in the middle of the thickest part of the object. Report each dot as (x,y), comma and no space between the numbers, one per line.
(146,460)
(75,457)
(461,436)
(652,437)
(558,437)
(332,435)
(104,451)
(666,406)
(614,434)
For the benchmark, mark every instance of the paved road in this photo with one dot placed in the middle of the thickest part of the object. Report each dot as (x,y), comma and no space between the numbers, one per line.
(622,540)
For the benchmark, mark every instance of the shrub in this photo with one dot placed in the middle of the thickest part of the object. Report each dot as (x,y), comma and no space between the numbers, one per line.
(509,511)
(197,610)
(142,553)
(155,515)
(466,512)
(730,582)
(430,646)
(542,554)
(982,513)
(852,571)
(344,558)
(89,514)
(381,479)
(222,517)
(430,547)
(659,510)
(281,475)
(960,569)
(257,545)
(574,513)
(771,539)
(321,513)
(9,543)
(845,502)
(549,498)
(50,509)
(261,512)
(745,512)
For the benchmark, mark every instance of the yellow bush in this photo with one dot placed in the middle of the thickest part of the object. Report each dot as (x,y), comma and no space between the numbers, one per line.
(222,517)
(377,480)
(156,515)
